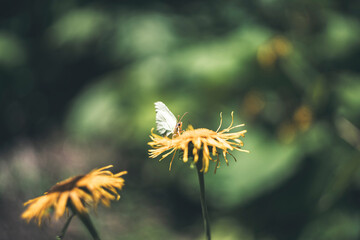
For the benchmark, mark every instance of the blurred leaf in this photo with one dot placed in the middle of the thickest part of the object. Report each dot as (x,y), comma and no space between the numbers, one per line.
(96,112)
(141,35)
(333,226)
(267,165)
(348,96)
(229,229)
(222,60)
(341,35)
(79,27)
(11,50)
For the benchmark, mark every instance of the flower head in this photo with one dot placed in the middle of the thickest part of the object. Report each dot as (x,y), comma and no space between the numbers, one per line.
(199,142)
(79,193)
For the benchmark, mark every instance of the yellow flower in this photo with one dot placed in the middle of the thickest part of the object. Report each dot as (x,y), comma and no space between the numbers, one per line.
(79,192)
(198,141)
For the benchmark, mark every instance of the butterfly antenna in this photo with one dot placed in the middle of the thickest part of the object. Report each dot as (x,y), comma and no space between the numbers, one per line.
(183,116)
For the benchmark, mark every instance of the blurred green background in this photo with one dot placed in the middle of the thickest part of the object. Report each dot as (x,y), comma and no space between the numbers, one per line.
(78,80)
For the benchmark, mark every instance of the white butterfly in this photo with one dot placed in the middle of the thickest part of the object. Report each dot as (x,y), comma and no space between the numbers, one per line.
(166,122)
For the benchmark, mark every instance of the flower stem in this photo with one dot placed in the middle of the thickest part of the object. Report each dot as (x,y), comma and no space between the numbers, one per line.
(85,219)
(64,229)
(205,214)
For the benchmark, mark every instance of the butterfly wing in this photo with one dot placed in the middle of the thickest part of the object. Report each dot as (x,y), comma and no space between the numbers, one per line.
(165,119)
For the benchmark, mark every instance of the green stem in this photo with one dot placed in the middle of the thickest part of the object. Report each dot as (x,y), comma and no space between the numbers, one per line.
(64,229)
(205,213)
(85,218)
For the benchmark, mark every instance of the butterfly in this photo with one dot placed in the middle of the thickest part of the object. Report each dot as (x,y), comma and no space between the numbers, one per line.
(166,122)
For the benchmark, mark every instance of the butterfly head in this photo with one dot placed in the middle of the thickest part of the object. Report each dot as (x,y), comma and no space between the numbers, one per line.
(178,128)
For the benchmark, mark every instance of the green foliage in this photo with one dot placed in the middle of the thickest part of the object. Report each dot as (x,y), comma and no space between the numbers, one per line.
(78,82)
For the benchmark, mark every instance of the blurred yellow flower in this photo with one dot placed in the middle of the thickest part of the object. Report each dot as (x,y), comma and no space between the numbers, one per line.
(79,192)
(276,48)
(197,142)
(253,103)
(303,117)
